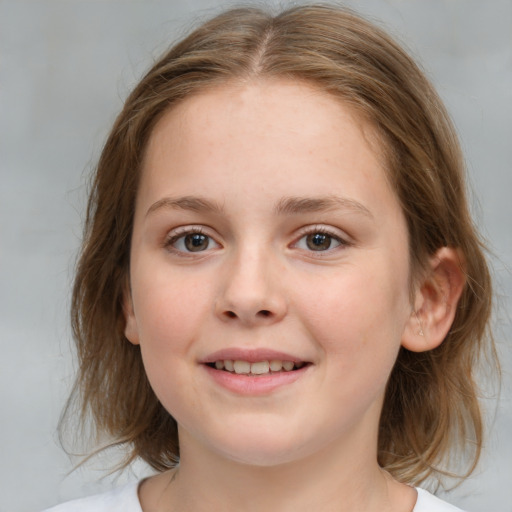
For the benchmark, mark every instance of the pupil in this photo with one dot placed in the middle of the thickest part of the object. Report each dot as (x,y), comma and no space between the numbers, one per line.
(318,241)
(196,242)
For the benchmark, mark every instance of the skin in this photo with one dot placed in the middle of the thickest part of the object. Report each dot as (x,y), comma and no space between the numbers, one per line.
(345,310)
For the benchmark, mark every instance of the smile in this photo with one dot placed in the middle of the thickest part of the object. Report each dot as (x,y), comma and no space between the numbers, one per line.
(256,368)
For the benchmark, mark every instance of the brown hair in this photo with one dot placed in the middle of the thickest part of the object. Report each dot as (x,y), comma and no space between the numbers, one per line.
(431,401)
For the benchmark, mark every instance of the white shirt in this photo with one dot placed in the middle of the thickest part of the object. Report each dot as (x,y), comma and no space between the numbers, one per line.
(125,499)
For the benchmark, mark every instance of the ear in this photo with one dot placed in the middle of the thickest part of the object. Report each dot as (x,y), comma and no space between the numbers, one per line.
(436,299)
(131,330)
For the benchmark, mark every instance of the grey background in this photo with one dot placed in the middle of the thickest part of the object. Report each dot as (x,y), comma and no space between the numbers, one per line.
(65,67)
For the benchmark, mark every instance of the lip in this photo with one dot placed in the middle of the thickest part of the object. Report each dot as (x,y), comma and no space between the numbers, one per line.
(243,384)
(250,355)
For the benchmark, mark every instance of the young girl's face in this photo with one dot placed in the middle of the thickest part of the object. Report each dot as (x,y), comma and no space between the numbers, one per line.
(267,234)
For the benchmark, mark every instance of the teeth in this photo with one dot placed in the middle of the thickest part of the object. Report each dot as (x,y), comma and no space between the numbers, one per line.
(242,367)
(288,365)
(276,366)
(260,368)
(257,368)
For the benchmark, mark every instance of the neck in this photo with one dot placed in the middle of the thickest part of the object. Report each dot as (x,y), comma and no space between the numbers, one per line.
(325,481)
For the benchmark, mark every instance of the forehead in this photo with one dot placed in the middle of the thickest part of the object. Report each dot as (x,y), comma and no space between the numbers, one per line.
(231,131)
(235,99)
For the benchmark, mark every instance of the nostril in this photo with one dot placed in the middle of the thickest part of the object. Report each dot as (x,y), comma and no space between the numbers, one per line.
(262,313)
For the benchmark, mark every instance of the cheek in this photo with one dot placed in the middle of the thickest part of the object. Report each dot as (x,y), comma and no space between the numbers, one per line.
(168,309)
(169,318)
(361,311)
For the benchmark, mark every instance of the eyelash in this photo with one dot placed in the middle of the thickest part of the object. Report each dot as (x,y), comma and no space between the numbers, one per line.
(322,230)
(182,233)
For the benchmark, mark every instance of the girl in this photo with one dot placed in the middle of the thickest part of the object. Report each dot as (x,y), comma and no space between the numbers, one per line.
(281,296)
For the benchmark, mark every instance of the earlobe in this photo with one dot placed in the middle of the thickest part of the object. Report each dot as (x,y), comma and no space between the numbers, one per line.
(131,330)
(436,301)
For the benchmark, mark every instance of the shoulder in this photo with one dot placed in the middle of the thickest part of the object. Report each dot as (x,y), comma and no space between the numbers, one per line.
(429,503)
(123,499)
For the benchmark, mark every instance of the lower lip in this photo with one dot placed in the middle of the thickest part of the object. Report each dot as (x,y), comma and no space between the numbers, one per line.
(259,385)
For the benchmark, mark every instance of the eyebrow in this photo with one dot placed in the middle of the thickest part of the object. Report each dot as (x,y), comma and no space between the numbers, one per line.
(298,205)
(190,203)
(285,206)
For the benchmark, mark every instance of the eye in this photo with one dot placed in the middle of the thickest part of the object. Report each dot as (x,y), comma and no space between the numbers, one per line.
(191,241)
(319,240)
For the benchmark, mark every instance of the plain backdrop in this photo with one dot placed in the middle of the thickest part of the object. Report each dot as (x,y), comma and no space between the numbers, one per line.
(65,68)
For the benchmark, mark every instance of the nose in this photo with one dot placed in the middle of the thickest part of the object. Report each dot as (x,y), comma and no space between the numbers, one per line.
(251,291)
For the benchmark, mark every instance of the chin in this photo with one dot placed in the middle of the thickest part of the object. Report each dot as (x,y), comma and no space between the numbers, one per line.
(256,449)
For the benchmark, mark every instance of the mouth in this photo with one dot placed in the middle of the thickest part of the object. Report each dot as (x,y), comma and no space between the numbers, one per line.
(255,372)
(257,368)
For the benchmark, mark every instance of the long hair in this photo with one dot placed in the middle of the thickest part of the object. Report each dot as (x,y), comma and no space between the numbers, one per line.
(431,400)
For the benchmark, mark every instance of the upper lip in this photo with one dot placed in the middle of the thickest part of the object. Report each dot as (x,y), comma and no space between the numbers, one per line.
(251,355)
